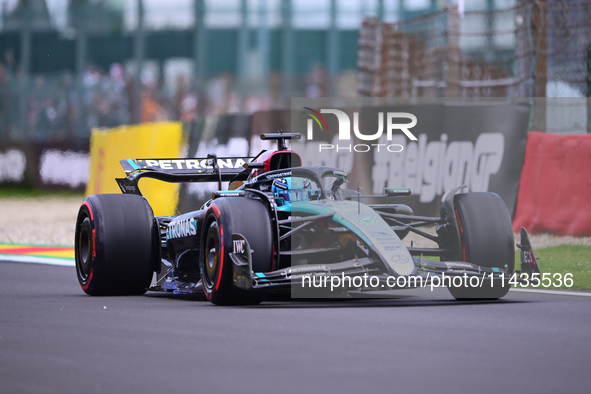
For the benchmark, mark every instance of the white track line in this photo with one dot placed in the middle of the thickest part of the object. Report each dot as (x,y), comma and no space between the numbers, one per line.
(37,260)
(553,292)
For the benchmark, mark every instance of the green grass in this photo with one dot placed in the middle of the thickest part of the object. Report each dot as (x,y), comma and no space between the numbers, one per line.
(30,192)
(564,259)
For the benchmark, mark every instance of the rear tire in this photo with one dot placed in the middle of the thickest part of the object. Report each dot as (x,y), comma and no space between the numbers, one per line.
(116,245)
(486,237)
(245,216)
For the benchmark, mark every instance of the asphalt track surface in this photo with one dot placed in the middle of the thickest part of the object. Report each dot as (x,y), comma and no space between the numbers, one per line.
(55,339)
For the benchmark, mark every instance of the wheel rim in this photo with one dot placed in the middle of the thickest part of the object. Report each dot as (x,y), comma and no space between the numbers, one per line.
(212,255)
(84,251)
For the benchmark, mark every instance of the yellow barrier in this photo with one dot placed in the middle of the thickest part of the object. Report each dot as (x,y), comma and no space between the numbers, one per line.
(146,141)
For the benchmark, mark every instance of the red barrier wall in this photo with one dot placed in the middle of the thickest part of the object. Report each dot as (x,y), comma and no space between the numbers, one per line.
(555,188)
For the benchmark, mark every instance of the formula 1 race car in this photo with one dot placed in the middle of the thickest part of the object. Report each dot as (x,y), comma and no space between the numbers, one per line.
(281,224)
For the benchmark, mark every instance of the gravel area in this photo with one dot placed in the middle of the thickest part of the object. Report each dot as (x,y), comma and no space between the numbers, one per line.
(44,221)
(50,221)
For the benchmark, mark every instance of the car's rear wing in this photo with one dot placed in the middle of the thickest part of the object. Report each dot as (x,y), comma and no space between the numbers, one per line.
(209,169)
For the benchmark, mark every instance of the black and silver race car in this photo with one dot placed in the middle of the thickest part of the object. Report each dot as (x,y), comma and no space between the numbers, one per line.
(281,227)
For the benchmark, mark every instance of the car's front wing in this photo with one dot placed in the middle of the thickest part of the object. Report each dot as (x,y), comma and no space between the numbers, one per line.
(427,273)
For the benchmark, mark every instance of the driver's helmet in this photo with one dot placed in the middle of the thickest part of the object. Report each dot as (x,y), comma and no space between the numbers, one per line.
(288,190)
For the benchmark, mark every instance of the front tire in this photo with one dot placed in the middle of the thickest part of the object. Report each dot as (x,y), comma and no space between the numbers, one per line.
(225,217)
(486,237)
(115,245)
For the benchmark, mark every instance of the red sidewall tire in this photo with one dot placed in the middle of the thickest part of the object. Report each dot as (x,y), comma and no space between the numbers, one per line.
(115,245)
(486,238)
(225,217)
